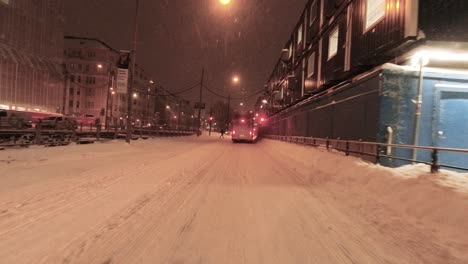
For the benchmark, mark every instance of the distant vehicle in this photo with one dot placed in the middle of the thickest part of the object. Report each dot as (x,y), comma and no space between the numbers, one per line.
(244,127)
(86,120)
(59,123)
(10,119)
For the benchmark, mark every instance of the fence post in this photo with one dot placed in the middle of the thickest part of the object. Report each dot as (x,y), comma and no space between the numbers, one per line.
(81,127)
(377,154)
(38,133)
(328,144)
(73,134)
(98,133)
(435,161)
(347,148)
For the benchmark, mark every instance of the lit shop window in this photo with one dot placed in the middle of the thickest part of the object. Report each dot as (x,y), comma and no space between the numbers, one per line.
(333,44)
(375,11)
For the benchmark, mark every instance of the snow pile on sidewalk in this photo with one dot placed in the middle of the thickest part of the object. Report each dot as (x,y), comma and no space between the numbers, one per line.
(435,199)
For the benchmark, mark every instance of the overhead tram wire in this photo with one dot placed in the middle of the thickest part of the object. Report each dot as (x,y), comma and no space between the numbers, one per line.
(180,91)
(234,98)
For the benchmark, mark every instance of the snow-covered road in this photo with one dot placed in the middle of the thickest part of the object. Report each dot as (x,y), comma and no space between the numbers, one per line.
(190,200)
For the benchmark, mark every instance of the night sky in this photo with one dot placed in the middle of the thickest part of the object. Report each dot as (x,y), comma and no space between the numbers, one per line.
(177,38)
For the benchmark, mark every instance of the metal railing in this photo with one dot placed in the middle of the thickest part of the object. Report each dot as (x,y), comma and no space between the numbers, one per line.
(51,137)
(375,150)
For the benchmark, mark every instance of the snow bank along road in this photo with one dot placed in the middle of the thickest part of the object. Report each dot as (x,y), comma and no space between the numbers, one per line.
(190,200)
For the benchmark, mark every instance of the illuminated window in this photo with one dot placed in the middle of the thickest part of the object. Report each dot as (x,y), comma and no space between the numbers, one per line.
(311,65)
(299,35)
(333,43)
(375,11)
(313,13)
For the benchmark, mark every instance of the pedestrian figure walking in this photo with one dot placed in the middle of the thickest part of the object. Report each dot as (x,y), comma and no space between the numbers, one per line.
(222,133)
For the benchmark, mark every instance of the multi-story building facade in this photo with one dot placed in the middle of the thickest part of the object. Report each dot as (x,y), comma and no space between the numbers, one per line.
(91,67)
(379,71)
(31,48)
(335,40)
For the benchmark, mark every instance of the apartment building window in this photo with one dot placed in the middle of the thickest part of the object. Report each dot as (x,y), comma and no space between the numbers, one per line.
(299,35)
(90,92)
(311,65)
(78,104)
(375,11)
(78,91)
(90,105)
(333,43)
(72,91)
(91,54)
(87,68)
(79,79)
(313,13)
(70,103)
(90,80)
(80,67)
(75,53)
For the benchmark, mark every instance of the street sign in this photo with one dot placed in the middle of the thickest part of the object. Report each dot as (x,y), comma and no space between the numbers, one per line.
(199,106)
(122,71)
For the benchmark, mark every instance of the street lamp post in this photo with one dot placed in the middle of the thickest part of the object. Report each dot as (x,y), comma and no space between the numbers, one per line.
(200,102)
(112,105)
(133,65)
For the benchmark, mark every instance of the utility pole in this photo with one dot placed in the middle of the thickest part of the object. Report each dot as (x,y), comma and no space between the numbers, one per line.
(228,112)
(132,76)
(200,100)
(110,81)
(211,115)
(178,114)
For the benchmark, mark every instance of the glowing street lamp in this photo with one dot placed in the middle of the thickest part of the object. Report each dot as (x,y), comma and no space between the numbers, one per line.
(225,2)
(99,66)
(135,95)
(264,101)
(235,79)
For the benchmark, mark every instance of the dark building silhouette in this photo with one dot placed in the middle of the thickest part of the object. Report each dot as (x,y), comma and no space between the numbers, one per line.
(31,48)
